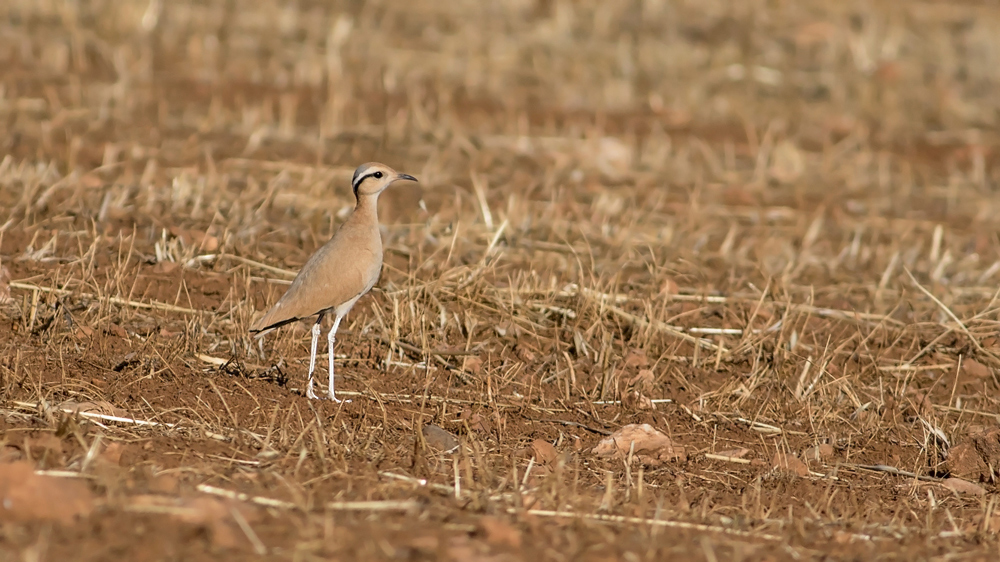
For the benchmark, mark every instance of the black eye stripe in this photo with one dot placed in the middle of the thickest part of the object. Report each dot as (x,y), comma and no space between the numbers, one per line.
(376,175)
(359,180)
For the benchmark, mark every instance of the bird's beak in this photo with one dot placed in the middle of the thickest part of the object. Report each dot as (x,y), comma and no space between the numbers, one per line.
(405,177)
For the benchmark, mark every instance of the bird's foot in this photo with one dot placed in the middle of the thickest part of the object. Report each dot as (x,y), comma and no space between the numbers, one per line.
(311,394)
(333,397)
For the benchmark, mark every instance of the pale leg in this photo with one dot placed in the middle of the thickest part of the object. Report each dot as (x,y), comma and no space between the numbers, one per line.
(329,342)
(312,357)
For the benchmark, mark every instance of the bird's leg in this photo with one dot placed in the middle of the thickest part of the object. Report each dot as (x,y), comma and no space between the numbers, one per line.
(312,357)
(329,342)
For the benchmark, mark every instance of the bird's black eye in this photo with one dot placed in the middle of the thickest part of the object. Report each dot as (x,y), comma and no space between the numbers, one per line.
(378,175)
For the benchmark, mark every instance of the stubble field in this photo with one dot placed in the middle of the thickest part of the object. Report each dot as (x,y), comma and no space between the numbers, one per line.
(767,230)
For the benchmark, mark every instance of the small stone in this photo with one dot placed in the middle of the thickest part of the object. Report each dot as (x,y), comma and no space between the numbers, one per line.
(439,439)
(960,486)
(789,464)
(543,451)
(818,452)
(975,368)
(499,532)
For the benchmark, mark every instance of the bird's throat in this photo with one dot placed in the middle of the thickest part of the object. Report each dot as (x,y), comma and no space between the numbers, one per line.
(367,206)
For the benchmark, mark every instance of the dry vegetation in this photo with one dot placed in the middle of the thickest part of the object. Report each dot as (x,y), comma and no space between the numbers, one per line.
(765,229)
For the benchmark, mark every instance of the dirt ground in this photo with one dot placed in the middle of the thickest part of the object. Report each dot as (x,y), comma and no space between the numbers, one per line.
(765,230)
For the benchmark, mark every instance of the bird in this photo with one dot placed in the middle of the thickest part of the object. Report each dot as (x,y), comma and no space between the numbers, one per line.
(340,272)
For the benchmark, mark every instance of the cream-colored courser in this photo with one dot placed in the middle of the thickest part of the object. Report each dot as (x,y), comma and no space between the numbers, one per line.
(340,272)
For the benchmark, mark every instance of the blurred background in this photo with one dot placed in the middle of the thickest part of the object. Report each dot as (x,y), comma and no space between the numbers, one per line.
(845,111)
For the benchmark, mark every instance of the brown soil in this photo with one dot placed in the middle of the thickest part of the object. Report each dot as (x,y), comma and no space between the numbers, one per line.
(768,233)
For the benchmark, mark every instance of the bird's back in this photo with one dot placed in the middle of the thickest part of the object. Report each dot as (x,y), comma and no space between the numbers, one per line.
(344,268)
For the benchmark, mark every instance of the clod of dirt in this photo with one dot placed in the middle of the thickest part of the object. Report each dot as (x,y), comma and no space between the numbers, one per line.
(165,333)
(636,392)
(543,451)
(26,496)
(964,461)
(203,240)
(960,486)
(525,352)
(166,267)
(164,484)
(472,364)
(499,533)
(439,439)
(737,453)
(669,287)
(112,454)
(476,422)
(213,514)
(975,368)
(611,156)
(267,454)
(818,452)
(44,440)
(130,358)
(789,464)
(919,404)
(651,447)
(464,549)
(502,328)
(978,458)
(787,162)
(427,544)
(10,453)
(636,358)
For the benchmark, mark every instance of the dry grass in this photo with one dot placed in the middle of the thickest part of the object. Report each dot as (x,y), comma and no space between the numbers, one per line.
(785,212)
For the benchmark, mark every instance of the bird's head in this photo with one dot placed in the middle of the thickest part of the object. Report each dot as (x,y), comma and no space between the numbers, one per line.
(372,178)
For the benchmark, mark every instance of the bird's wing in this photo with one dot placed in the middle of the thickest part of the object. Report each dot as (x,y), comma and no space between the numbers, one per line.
(338,272)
